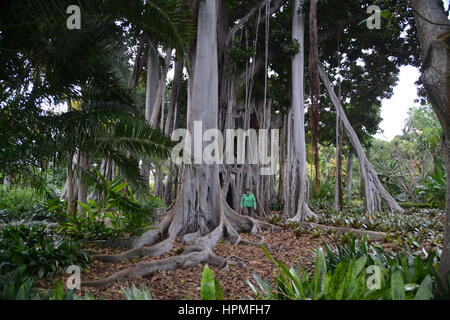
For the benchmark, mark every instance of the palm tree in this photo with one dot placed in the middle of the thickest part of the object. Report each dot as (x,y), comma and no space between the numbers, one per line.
(44,62)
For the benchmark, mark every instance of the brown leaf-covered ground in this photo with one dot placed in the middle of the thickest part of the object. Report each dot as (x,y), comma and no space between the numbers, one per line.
(185,283)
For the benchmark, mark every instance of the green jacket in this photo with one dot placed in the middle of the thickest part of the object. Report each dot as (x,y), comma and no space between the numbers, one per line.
(248,200)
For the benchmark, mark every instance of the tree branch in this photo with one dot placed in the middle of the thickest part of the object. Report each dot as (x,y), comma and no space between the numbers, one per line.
(276,5)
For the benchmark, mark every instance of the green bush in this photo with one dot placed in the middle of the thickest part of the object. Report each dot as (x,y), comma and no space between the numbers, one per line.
(17,286)
(414,226)
(326,191)
(414,267)
(37,252)
(134,293)
(348,249)
(432,188)
(276,206)
(16,203)
(399,280)
(116,203)
(88,224)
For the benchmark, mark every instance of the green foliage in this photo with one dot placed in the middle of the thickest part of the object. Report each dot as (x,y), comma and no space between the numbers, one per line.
(16,203)
(118,206)
(276,206)
(400,279)
(433,187)
(414,226)
(15,286)
(59,293)
(136,214)
(275,219)
(210,287)
(134,293)
(37,252)
(86,66)
(411,158)
(89,224)
(326,190)
(348,249)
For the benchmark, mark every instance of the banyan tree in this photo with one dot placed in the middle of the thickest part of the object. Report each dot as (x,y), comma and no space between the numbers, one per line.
(228,72)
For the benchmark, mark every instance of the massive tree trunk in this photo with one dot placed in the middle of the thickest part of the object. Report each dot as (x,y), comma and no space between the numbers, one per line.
(296,205)
(200,213)
(373,189)
(433,28)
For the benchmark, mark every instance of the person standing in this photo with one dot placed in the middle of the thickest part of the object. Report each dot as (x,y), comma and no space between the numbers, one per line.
(248,203)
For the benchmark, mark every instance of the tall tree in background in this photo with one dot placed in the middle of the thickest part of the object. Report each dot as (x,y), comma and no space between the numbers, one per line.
(433,27)
(200,213)
(297,164)
(314,80)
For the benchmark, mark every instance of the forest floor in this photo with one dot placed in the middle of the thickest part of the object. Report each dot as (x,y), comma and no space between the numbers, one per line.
(184,283)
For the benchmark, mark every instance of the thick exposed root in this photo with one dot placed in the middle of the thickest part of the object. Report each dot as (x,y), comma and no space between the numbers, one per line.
(198,250)
(301,216)
(156,250)
(122,243)
(171,225)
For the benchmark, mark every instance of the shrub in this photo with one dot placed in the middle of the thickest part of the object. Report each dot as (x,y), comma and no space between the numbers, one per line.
(89,224)
(118,204)
(432,189)
(37,252)
(414,226)
(276,206)
(399,280)
(17,286)
(275,219)
(15,203)
(134,293)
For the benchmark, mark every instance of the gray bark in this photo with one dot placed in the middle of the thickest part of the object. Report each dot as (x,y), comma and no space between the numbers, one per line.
(373,189)
(83,166)
(176,84)
(152,81)
(297,208)
(349,177)
(338,197)
(157,103)
(200,213)
(433,28)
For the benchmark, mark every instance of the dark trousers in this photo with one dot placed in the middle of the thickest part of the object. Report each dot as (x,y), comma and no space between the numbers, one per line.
(248,211)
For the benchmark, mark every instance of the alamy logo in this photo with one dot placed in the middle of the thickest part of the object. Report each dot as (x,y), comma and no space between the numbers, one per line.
(74,20)
(374,280)
(74,280)
(262,147)
(374,21)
